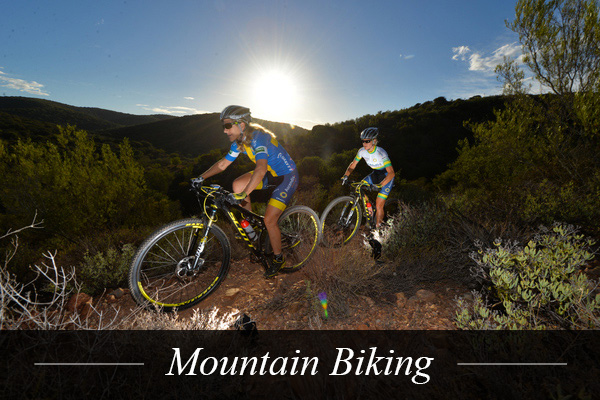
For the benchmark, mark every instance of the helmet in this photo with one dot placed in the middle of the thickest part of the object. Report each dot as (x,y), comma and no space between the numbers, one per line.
(369,133)
(236,113)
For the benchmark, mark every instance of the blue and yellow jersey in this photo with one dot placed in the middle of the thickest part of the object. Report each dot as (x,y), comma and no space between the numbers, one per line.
(264,146)
(376,159)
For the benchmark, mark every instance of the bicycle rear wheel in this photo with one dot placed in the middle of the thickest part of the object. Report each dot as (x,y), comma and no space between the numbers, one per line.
(300,233)
(162,276)
(340,221)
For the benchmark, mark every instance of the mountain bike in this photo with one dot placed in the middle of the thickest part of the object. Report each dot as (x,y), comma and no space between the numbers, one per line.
(183,262)
(343,216)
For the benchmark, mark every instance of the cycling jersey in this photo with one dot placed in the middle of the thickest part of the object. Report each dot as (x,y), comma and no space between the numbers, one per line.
(279,164)
(264,147)
(376,159)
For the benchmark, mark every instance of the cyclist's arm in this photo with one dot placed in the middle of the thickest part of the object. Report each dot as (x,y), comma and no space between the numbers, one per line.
(216,168)
(257,175)
(389,177)
(351,167)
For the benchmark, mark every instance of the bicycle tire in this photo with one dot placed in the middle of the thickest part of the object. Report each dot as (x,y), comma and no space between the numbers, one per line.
(153,280)
(337,228)
(300,233)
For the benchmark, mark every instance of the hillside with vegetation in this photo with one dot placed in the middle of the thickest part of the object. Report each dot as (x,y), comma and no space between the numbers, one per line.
(87,118)
(499,194)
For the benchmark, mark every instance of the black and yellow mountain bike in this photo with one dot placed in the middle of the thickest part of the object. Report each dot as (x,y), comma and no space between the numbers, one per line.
(183,262)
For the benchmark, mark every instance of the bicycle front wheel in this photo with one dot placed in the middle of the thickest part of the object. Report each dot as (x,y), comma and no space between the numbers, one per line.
(165,274)
(340,221)
(300,233)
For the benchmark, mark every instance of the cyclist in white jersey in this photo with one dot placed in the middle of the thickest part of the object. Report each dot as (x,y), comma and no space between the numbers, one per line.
(382,177)
(273,166)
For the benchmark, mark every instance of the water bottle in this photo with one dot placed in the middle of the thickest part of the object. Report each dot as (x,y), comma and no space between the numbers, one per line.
(249,230)
(370,209)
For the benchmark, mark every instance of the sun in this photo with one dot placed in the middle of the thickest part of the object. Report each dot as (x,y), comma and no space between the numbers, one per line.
(276,94)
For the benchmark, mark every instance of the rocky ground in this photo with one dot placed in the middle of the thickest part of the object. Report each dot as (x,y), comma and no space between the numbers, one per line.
(282,303)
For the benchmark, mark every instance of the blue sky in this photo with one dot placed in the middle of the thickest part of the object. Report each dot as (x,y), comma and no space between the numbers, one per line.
(304,62)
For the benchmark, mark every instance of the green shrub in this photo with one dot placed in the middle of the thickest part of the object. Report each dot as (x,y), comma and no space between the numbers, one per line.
(538,286)
(105,269)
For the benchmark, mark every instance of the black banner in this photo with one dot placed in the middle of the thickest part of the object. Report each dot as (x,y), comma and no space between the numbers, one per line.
(299,364)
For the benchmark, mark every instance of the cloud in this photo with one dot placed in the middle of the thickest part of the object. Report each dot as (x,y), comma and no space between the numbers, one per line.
(23,86)
(172,110)
(460,53)
(480,77)
(477,62)
(487,63)
(406,57)
(189,98)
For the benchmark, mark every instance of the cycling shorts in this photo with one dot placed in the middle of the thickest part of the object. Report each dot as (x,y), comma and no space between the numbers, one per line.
(377,176)
(286,187)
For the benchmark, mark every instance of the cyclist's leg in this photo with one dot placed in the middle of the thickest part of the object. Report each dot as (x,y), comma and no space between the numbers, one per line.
(241,182)
(281,197)
(380,202)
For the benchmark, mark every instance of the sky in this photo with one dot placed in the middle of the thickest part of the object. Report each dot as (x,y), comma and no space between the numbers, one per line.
(303,62)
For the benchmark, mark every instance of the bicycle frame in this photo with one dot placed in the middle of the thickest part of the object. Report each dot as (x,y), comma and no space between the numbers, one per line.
(210,212)
(362,198)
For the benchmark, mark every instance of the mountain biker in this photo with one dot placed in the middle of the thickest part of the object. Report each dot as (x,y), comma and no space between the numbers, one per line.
(274,166)
(382,177)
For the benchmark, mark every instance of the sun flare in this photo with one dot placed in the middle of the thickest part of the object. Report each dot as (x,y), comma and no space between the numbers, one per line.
(276,94)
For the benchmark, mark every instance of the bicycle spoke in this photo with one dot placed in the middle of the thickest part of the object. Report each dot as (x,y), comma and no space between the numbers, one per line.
(164,274)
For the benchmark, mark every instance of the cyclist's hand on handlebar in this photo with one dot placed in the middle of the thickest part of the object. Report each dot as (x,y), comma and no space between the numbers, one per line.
(344,180)
(375,188)
(236,198)
(197,182)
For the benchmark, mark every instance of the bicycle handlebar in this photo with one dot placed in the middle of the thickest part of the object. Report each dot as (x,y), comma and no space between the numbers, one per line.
(361,183)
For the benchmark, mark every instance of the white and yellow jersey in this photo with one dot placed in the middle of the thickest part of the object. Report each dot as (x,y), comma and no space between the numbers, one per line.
(376,159)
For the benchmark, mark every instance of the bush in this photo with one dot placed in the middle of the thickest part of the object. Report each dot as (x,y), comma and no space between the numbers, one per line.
(538,286)
(105,270)
(428,242)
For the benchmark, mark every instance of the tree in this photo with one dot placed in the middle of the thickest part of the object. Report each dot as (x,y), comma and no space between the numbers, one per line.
(539,158)
(77,188)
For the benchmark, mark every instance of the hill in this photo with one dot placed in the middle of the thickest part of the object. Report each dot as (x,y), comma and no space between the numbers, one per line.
(421,140)
(193,134)
(87,118)
(189,135)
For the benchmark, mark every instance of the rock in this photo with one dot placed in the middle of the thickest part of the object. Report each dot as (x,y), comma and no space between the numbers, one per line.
(363,327)
(111,298)
(87,310)
(370,302)
(77,301)
(412,301)
(467,296)
(297,307)
(425,295)
(118,293)
(400,300)
(232,292)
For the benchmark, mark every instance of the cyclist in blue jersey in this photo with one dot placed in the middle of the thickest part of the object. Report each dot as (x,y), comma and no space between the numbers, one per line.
(273,166)
(382,177)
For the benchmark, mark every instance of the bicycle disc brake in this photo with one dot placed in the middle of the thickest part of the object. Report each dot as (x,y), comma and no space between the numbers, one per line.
(185,267)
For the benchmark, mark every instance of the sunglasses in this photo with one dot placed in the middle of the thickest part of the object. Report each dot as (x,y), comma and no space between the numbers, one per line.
(367,141)
(229,125)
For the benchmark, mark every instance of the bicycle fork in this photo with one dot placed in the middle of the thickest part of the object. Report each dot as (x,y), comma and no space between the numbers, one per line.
(345,219)
(202,240)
